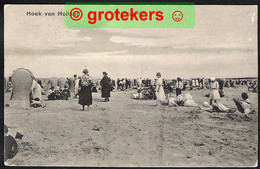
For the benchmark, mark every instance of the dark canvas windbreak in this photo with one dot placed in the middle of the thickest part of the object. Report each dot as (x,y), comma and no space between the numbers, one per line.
(71,84)
(54,81)
(61,82)
(22,82)
(46,84)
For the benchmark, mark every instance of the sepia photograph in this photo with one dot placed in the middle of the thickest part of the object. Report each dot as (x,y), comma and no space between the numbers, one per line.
(131,97)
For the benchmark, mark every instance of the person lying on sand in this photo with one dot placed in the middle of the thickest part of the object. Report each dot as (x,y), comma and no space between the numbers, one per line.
(182,100)
(217,107)
(243,104)
(37,103)
(10,145)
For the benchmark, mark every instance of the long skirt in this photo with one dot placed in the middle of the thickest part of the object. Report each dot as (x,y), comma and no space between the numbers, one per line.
(160,95)
(76,89)
(106,91)
(85,95)
(178,91)
(214,94)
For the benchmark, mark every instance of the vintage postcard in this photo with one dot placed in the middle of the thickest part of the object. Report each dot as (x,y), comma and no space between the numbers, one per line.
(131,86)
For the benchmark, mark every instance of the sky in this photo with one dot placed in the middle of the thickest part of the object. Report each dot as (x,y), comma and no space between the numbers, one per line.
(222,44)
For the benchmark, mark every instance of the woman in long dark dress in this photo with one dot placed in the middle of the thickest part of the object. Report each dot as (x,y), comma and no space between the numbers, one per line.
(85,94)
(106,87)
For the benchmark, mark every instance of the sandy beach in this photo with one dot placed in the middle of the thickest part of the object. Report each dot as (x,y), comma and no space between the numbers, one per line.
(127,132)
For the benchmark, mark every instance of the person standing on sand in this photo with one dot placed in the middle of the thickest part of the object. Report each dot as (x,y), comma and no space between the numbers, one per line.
(179,86)
(159,92)
(85,94)
(118,84)
(139,82)
(76,87)
(105,84)
(214,94)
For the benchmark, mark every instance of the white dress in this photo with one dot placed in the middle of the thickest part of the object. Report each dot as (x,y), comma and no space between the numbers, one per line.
(214,94)
(76,86)
(139,82)
(36,90)
(160,95)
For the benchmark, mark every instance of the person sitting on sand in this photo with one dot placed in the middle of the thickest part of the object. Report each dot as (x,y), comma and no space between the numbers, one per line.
(57,92)
(65,94)
(37,103)
(36,90)
(50,94)
(10,145)
(186,100)
(252,86)
(214,94)
(243,104)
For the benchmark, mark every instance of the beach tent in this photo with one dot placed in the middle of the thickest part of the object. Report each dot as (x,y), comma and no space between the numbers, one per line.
(62,82)
(54,81)
(22,83)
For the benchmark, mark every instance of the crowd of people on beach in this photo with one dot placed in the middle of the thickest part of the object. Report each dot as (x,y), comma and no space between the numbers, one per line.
(84,86)
(215,86)
(162,89)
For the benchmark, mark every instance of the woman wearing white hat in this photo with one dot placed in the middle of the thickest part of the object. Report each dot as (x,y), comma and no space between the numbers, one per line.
(214,94)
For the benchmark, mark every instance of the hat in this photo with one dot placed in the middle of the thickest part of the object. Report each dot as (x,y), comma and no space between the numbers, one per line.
(244,96)
(85,71)
(212,79)
(105,73)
